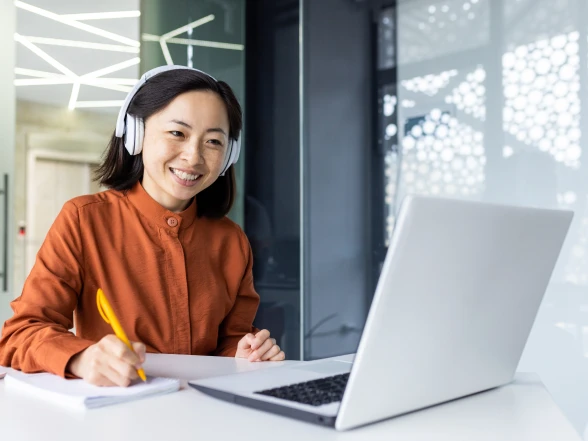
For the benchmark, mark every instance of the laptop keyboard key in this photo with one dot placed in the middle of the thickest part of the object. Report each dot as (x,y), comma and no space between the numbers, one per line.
(315,393)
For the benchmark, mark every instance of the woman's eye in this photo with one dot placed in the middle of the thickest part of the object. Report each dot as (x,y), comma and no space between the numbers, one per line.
(216,142)
(176,133)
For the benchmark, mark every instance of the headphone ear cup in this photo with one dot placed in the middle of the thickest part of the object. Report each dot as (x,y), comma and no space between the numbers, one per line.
(236,150)
(139,135)
(227,161)
(129,136)
(233,155)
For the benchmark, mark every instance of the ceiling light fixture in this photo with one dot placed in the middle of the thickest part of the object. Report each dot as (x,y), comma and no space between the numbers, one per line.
(75,90)
(103,15)
(165,38)
(42,54)
(82,44)
(76,24)
(35,73)
(204,43)
(113,103)
(113,68)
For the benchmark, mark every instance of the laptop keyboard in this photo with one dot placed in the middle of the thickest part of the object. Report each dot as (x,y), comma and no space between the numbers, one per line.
(316,392)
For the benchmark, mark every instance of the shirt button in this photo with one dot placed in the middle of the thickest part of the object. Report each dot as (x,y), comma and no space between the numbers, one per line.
(172,221)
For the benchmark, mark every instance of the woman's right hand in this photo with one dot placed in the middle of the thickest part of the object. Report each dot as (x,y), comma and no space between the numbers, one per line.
(108,363)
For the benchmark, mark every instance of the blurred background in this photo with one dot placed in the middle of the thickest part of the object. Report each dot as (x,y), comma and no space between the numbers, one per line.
(349,106)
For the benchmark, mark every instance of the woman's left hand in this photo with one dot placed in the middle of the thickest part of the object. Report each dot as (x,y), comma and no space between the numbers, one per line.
(259,347)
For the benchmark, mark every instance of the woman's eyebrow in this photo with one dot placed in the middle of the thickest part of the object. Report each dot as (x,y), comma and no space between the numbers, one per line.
(182,123)
(216,129)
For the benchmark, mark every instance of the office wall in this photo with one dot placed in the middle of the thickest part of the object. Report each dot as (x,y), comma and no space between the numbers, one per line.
(492,102)
(336,148)
(7,118)
(43,120)
(55,128)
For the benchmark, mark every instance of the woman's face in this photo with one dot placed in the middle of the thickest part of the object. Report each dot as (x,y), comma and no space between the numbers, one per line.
(184,148)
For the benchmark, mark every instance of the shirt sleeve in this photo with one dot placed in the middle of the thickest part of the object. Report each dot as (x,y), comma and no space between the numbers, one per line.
(37,337)
(239,321)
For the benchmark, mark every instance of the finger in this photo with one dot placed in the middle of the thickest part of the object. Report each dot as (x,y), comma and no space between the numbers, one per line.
(280,357)
(246,341)
(118,372)
(113,345)
(140,350)
(260,338)
(262,350)
(97,379)
(101,373)
(125,370)
(93,374)
(274,350)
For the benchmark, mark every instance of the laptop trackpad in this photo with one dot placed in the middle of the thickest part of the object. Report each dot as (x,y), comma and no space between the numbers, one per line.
(325,367)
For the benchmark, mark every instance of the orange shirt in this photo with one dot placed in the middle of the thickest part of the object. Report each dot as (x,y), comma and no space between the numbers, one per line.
(178,283)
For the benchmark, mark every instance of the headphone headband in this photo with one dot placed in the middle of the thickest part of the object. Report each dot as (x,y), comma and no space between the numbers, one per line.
(132,128)
(120,121)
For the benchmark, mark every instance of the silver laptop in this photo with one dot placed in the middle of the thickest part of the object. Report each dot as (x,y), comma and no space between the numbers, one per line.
(457,296)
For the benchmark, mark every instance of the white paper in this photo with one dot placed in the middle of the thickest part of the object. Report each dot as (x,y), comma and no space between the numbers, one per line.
(78,393)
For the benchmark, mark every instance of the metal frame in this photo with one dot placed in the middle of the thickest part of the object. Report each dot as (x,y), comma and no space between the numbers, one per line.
(380,78)
(4,274)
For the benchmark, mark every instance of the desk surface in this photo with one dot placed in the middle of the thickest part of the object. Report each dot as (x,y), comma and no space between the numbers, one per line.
(520,411)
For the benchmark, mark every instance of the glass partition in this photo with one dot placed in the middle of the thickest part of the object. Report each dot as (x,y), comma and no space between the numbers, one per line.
(491,98)
(207,35)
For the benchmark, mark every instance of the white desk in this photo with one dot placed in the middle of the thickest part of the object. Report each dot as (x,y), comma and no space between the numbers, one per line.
(518,412)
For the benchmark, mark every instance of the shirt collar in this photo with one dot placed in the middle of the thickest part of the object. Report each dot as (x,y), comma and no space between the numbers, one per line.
(161,216)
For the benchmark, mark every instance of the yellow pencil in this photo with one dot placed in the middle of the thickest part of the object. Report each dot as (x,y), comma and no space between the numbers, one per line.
(108,315)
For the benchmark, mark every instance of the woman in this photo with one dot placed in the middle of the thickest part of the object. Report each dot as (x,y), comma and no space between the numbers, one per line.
(176,270)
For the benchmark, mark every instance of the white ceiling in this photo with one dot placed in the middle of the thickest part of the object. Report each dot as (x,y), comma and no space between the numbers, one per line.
(80,61)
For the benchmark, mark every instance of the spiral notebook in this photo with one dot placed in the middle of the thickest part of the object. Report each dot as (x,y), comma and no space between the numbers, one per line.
(82,395)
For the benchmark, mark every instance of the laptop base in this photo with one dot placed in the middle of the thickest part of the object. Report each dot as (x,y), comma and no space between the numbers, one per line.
(309,417)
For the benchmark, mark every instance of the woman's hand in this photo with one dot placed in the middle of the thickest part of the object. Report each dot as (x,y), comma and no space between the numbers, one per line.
(108,363)
(259,347)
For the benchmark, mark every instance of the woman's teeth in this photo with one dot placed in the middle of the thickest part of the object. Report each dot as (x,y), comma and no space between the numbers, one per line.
(185,176)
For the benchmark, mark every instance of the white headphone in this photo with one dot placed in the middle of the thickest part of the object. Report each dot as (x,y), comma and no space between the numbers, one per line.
(132,128)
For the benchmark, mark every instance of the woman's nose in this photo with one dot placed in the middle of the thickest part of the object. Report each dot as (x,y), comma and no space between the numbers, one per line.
(193,154)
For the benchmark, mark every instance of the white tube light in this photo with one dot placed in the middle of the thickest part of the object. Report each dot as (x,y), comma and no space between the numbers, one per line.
(165,50)
(113,103)
(66,80)
(121,81)
(184,28)
(125,83)
(43,81)
(118,87)
(35,73)
(150,37)
(113,68)
(102,15)
(76,24)
(75,90)
(42,54)
(82,44)
(205,43)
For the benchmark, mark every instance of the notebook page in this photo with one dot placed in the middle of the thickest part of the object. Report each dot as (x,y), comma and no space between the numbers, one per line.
(81,388)
(79,393)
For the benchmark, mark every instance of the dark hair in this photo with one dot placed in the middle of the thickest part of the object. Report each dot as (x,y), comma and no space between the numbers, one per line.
(121,171)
